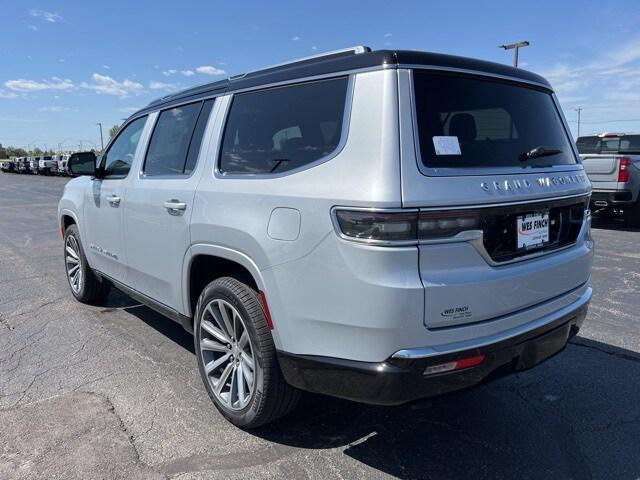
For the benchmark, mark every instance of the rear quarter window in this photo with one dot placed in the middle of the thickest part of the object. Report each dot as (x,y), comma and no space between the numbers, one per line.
(280,129)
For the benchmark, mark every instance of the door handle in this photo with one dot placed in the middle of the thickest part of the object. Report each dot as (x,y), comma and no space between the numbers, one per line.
(113,200)
(175,206)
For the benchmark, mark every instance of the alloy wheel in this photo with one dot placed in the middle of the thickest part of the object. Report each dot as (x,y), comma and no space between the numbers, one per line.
(227,354)
(73,263)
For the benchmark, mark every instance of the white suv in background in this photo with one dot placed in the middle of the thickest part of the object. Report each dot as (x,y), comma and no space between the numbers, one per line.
(378,226)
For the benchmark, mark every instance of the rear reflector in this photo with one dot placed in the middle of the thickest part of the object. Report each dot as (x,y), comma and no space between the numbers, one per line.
(452,366)
(623,170)
(265,309)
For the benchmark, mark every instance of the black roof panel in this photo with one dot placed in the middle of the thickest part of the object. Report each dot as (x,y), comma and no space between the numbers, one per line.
(340,62)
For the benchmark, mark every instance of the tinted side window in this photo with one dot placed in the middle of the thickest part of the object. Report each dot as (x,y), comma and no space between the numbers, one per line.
(116,162)
(275,130)
(170,140)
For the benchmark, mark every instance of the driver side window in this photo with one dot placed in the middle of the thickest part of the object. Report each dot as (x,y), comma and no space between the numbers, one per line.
(116,162)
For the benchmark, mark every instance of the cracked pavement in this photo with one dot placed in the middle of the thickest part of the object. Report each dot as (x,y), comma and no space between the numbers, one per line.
(114,392)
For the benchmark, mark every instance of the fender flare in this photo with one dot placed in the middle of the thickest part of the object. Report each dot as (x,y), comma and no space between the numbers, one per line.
(214,251)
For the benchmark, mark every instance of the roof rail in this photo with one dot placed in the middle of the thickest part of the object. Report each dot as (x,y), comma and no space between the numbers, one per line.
(354,51)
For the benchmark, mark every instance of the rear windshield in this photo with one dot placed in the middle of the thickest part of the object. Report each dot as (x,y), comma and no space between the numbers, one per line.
(593,144)
(471,122)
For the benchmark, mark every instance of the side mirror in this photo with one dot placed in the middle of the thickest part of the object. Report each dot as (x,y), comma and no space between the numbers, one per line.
(83,163)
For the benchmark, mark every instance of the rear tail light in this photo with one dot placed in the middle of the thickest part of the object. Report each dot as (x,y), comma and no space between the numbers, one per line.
(623,169)
(403,226)
(456,365)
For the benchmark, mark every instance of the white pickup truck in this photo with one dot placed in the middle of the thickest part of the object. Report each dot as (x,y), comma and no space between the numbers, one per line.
(612,163)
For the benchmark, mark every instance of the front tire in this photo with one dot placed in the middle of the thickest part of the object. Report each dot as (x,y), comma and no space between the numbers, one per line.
(236,355)
(84,284)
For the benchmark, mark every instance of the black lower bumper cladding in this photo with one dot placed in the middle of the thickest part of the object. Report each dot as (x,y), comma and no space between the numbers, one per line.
(397,381)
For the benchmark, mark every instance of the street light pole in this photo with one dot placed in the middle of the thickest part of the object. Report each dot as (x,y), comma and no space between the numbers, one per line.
(579,109)
(515,46)
(101,140)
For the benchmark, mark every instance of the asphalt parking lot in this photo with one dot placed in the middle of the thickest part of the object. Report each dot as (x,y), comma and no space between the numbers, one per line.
(113,391)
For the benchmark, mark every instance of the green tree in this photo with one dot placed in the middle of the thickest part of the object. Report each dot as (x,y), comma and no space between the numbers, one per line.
(113,131)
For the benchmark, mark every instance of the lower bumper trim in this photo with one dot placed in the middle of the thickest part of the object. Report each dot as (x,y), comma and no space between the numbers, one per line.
(400,380)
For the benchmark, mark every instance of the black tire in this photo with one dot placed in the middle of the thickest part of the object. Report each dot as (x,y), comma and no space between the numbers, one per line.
(272,397)
(90,289)
(632,215)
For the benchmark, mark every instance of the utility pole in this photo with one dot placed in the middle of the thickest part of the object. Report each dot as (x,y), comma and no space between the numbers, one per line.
(101,140)
(579,109)
(515,46)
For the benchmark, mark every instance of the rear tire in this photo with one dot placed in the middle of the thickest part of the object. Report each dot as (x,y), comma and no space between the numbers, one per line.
(85,285)
(234,346)
(632,215)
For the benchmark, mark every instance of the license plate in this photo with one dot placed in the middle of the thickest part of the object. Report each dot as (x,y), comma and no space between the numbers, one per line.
(533,230)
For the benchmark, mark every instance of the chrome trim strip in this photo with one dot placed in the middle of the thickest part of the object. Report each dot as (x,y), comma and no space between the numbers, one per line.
(428,352)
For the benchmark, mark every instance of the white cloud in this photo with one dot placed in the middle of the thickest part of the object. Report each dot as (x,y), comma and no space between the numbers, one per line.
(295,39)
(187,73)
(106,85)
(5,94)
(23,85)
(314,47)
(168,73)
(209,70)
(154,85)
(387,35)
(32,27)
(50,17)
(55,109)
(105,66)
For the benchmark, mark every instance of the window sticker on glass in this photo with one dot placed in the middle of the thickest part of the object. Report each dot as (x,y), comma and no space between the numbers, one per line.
(446,145)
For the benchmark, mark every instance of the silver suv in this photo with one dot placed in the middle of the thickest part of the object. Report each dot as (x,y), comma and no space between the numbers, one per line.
(378,226)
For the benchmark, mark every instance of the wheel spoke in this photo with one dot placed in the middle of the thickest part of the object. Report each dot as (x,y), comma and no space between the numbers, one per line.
(212,346)
(244,338)
(246,358)
(223,378)
(73,269)
(215,332)
(72,260)
(240,384)
(71,252)
(214,364)
(248,374)
(225,318)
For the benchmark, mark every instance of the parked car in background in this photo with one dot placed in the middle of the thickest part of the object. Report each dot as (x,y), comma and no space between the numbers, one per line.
(62,162)
(377,226)
(24,164)
(612,163)
(34,165)
(7,165)
(45,164)
(54,165)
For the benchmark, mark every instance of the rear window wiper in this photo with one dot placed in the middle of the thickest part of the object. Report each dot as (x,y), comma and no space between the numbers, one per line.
(538,152)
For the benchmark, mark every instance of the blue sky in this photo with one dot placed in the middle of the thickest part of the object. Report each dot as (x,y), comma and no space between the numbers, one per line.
(66,65)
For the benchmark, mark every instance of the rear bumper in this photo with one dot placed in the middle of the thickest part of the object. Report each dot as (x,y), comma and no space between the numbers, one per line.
(400,379)
(603,199)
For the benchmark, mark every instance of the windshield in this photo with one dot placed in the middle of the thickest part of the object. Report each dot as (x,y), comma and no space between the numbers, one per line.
(594,144)
(471,122)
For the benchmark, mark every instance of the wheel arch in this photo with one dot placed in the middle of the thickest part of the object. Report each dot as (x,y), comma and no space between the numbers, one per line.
(204,263)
